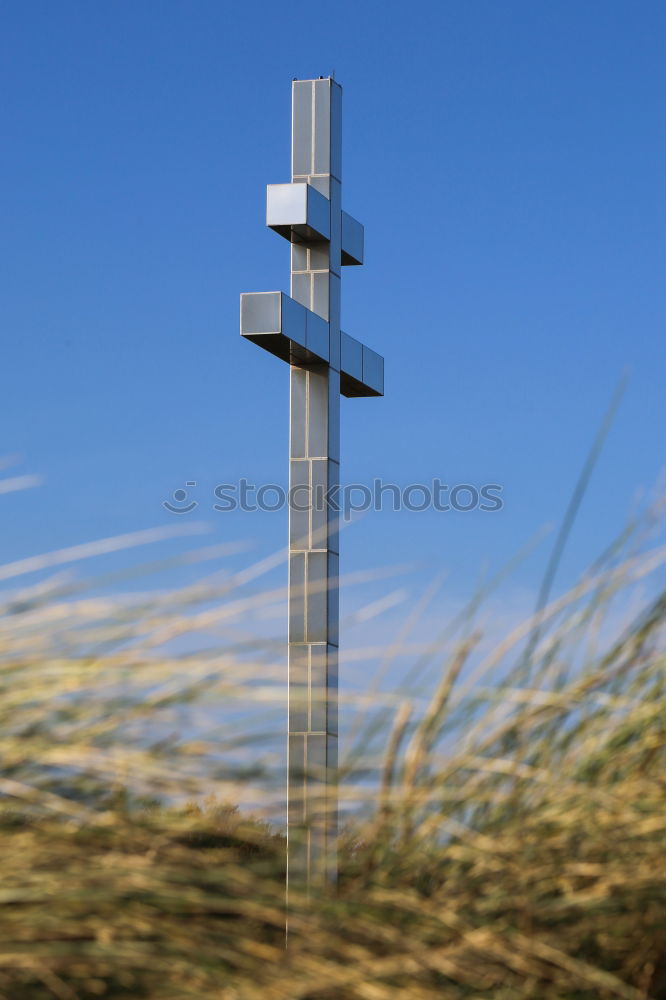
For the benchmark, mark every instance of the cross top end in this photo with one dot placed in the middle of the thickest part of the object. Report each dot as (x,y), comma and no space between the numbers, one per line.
(304,328)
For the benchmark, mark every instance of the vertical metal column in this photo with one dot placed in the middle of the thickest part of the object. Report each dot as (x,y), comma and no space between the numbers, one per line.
(313,530)
(304,330)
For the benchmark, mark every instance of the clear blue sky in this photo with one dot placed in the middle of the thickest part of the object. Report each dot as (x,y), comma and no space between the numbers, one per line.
(508,162)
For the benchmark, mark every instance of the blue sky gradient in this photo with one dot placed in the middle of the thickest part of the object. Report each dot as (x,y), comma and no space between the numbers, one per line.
(508,163)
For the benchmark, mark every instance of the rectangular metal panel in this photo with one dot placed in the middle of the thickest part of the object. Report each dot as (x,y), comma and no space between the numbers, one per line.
(332,610)
(322,124)
(319,257)
(298,390)
(298,212)
(317,604)
(336,501)
(286,205)
(334,414)
(331,806)
(316,759)
(319,535)
(317,439)
(301,288)
(299,257)
(351,356)
(296,765)
(301,131)
(297,597)
(318,215)
(373,370)
(334,320)
(336,225)
(316,336)
(293,319)
(320,294)
(299,688)
(336,130)
(264,310)
(260,312)
(372,381)
(318,687)
(332,701)
(353,239)
(321,183)
(299,503)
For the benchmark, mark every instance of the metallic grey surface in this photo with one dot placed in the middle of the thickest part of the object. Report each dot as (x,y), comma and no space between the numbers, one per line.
(304,329)
(301,127)
(298,212)
(335,243)
(284,327)
(316,336)
(373,371)
(353,239)
(351,357)
(370,382)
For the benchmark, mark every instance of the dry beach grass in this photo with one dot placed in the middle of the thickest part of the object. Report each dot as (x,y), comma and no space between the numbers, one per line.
(513,846)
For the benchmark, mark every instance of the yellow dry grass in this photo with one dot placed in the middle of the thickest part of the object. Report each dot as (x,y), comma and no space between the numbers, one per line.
(513,846)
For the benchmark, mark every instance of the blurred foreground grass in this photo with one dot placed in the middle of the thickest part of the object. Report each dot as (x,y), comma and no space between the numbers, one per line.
(513,846)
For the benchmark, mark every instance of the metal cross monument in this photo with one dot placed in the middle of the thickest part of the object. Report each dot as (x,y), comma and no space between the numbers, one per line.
(304,330)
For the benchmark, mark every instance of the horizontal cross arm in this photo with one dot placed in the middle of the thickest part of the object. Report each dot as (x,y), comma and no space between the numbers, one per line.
(300,213)
(361,370)
(297,335)
(284,327)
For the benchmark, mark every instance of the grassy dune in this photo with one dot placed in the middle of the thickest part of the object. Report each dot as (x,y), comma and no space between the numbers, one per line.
(514,845)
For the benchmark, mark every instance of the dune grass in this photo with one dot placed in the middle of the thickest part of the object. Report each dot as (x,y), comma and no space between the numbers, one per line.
(513,845)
